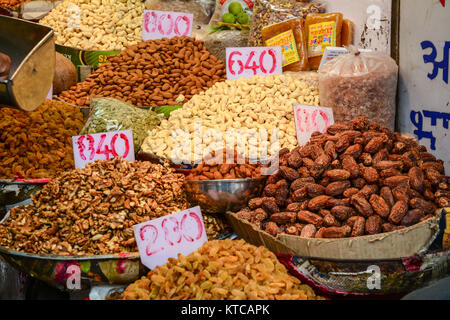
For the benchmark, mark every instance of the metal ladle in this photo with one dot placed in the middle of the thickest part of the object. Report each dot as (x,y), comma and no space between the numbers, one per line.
(31,47)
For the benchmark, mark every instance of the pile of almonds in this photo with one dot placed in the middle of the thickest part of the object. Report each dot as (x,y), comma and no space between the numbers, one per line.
(358,179)
(91,211)
(152,73)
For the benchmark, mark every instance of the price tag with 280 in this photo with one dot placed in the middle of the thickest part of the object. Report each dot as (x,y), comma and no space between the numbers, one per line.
(163,238)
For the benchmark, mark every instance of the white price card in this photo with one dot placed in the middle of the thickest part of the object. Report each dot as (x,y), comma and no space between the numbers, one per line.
(166,237)
(310,119)
(247,62)
(165,24)
(333,52)
(103,146)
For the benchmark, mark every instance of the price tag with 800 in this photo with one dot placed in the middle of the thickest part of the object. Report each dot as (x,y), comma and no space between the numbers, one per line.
(165,24)
(310,119)
(252,61)
(103,146)
(166,237)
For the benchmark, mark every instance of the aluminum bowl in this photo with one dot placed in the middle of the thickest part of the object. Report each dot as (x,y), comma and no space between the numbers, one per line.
(220,196)
(113,269)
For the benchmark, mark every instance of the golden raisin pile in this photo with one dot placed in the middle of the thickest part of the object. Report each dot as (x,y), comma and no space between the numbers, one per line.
(38,144)
(221,270)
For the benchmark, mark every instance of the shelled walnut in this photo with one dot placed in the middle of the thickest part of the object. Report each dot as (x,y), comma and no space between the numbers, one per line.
(334,187)
(91,211)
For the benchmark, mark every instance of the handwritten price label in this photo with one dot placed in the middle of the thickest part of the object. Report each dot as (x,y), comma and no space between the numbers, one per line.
(164,24)
(103,146)
(166,237)
(310,119)
(249,62)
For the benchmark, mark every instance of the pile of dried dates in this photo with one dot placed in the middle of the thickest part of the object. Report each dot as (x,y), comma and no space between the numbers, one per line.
(359,178)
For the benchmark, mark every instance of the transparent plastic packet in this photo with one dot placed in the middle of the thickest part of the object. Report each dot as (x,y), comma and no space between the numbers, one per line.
(201,9)
(109,114)
(268,12)
(217,42)
(360,84)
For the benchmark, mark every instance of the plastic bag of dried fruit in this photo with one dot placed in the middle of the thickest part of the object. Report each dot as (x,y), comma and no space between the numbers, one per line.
(201,9)
(269,12)
(109,114)
(360,84)
(234,13)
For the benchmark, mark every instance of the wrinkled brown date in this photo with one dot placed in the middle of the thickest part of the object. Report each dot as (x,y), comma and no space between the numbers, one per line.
(412,217)
(373,225)
(308,231)
(336,232)
(317,203)
(358,227)
(283,217)
(337,188)
(309,218)
(398,211)
(361,204)
(379,206)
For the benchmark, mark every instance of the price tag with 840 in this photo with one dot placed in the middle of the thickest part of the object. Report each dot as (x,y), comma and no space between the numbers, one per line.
(103,146)
(252,61)
(166,237)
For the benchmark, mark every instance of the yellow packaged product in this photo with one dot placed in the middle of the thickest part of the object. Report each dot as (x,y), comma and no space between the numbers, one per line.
(322,30)
(290,36)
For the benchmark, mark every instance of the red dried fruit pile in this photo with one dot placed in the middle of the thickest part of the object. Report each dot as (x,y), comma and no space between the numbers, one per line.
(358,179)
(223,166)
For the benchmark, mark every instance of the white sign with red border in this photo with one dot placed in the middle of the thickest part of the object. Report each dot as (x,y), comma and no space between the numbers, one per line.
(247,62)
(103,146)
(166,237)
(310,119)
(166,24)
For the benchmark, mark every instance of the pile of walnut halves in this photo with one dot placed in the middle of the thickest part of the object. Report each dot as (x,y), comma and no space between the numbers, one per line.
(91,211)
(357,179)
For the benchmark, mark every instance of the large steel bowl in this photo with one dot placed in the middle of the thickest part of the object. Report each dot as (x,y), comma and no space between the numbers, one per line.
(122,268)
(220,196)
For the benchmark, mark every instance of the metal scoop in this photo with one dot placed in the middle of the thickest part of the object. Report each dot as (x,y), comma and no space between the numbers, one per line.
(31,47)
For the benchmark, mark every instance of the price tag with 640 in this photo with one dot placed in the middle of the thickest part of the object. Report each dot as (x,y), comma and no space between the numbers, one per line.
(252,61)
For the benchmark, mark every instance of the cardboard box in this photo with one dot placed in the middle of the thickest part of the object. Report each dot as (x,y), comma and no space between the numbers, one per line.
(393,245)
